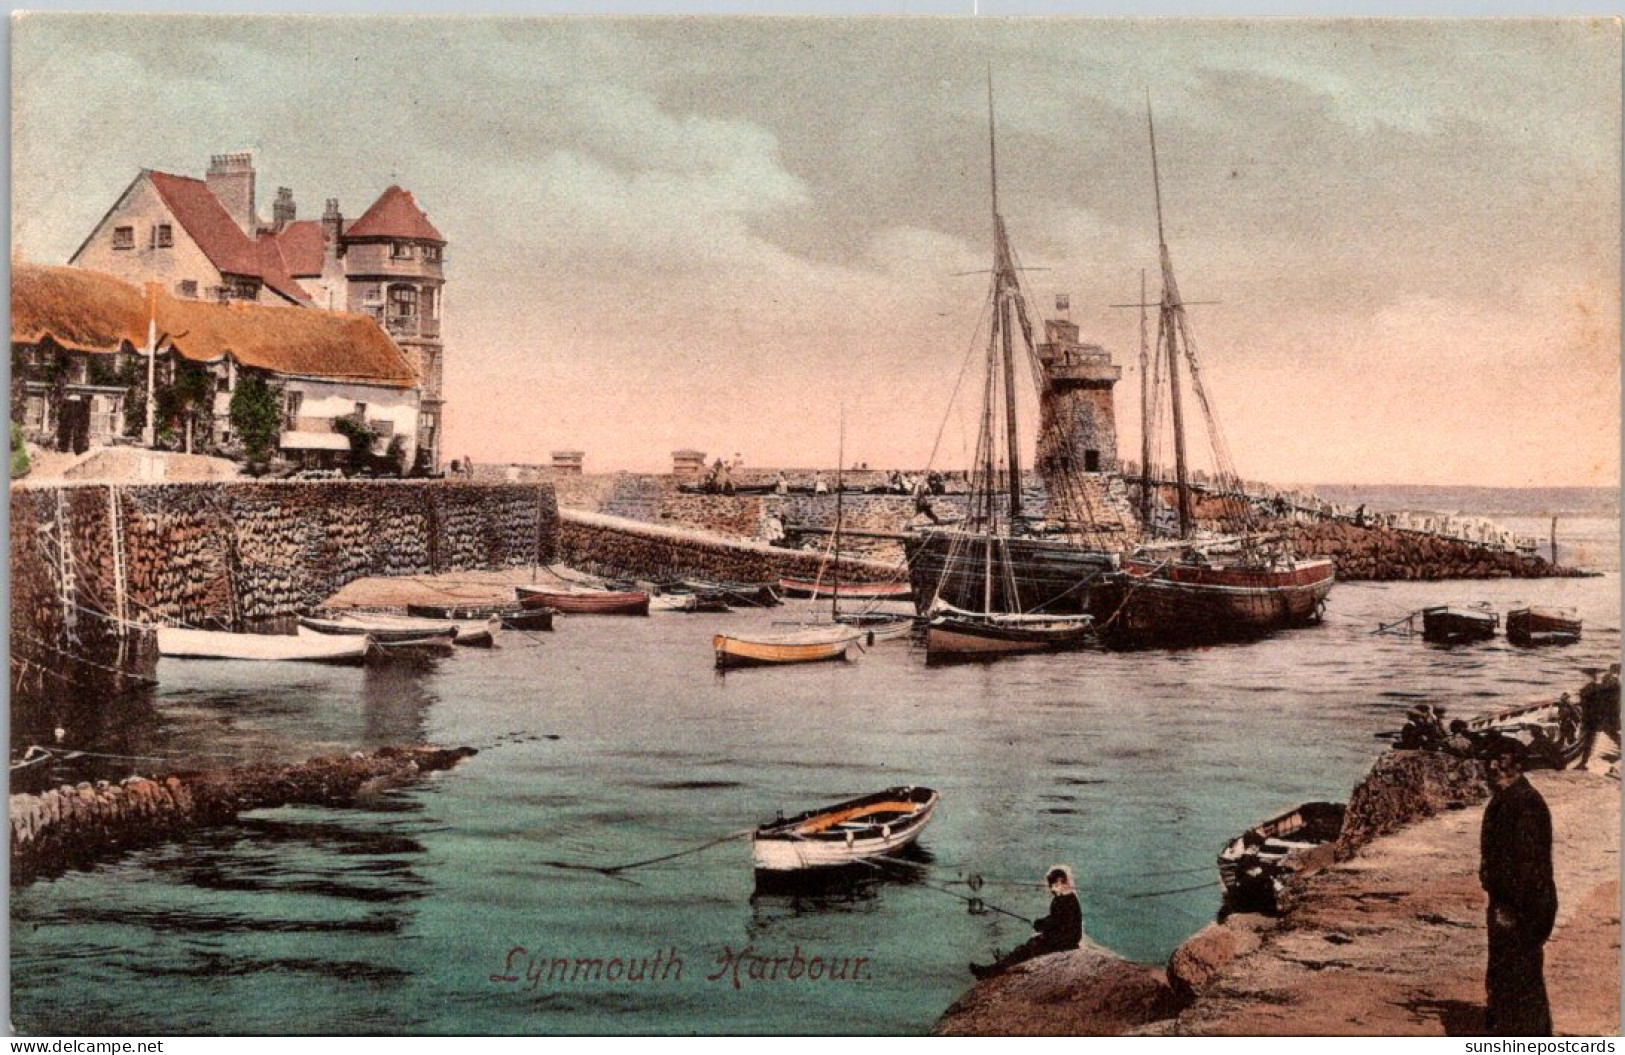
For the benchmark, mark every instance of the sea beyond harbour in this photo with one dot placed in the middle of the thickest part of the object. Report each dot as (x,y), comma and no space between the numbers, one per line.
(613,740)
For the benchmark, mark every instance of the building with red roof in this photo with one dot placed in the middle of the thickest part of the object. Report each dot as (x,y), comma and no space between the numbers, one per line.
(79,346)
(203,239)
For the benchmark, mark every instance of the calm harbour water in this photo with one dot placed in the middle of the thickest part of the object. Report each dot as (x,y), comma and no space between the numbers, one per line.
(618,742)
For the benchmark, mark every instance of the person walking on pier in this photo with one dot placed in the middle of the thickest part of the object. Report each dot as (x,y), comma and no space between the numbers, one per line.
(1059,931)
(1516,871)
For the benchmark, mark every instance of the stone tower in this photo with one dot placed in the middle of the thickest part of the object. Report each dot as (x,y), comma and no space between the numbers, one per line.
(1077,427)
(392,258)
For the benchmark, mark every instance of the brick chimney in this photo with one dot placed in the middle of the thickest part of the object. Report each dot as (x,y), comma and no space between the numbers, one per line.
(283,210)
(231,180)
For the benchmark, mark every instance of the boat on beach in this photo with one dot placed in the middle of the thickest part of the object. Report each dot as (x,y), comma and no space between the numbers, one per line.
(845,834)
(737,594)
(1543,626)
(816,645)
(846,591)
(1255,865)
(181,643)
(577,600)
(1448,625)
(1552,733)
(507,616)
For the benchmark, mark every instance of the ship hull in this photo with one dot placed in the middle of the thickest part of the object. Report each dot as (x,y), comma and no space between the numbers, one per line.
(1047,576)
(1149,603)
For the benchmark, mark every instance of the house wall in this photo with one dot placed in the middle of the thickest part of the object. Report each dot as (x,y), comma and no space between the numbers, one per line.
(141,207)
(324,401)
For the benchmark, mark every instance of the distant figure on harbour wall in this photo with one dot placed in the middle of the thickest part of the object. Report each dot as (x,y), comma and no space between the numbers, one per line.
(1516,872)
(1059,931)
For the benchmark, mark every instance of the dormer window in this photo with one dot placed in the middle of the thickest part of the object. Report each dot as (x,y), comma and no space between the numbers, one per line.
(400,250)
(124,238)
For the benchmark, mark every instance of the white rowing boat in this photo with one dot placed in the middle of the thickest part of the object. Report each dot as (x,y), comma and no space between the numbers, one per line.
(180,643)
(847,833)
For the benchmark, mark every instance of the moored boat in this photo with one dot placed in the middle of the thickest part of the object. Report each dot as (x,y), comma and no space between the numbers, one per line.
(581,601)
(1543,626)
(956,634)
(425,633)
(1552,733)
(1208,599)
(846,591)
(737,594)
(1447,625)
(846,833)
(181,643)
(507,616)
(817,645)
(1255,865)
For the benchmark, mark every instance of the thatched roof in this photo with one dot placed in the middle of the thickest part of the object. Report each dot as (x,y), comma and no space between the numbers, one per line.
(91,312)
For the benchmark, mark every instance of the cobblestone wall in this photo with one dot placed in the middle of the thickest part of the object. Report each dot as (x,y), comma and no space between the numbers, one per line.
(614,546)
(222,553)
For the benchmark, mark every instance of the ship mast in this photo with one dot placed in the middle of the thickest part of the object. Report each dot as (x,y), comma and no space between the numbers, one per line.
(1005,287)
(1145,411)
(1168,328)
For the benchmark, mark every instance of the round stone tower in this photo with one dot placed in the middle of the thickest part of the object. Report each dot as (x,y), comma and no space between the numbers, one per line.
(1077,427)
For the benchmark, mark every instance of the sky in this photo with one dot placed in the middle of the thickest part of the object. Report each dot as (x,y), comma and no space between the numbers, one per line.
(725,233)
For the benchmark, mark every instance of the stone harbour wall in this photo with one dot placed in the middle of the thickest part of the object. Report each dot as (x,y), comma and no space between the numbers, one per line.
(1379,554)
(220,554)
(617,547)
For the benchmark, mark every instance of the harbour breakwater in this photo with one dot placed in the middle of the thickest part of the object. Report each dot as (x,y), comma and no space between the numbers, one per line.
(94,565)
(74,825)
(1364,548)
(618,547)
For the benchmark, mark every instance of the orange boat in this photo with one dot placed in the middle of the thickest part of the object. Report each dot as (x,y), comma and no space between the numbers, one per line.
(848,591)
(817,645)
(583,601)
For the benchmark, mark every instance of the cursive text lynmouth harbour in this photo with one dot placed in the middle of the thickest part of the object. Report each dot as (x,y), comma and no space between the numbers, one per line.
(530,971)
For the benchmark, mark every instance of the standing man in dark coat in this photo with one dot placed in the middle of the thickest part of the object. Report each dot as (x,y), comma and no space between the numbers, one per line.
(1516,871)
(1059,931)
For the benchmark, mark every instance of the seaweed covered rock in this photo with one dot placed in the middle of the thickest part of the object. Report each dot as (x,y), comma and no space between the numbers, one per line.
(1404,787)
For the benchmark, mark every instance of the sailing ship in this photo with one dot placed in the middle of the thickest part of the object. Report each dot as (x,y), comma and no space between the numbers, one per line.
(1236,587)
(999,562)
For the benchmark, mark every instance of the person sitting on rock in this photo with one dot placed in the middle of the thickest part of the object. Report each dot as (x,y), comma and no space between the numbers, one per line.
(1059,931)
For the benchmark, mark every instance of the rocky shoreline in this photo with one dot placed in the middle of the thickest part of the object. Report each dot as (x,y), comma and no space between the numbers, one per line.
(1387,941)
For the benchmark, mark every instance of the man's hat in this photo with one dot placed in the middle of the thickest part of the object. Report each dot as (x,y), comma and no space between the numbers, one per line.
(1498,747)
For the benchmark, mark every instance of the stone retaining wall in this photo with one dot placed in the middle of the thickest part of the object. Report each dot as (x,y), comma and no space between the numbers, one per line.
(615,547)
(225,553)
(1379,553)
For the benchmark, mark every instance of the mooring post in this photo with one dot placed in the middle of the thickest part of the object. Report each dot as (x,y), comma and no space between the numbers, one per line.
(1554,542)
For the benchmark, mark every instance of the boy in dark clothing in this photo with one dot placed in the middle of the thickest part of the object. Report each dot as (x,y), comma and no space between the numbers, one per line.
(1059,931)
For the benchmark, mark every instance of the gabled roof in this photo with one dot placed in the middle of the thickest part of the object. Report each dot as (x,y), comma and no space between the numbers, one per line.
(394,215)
(208,222)
(88,311)
(304,247)
(222,241)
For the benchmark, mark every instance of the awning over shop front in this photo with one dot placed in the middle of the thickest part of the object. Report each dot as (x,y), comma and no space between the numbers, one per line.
(314,441)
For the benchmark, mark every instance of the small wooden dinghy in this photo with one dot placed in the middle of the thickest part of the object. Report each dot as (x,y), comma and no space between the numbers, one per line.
(846,833)
(1256,864)
(737,594)
(956,634)
(469,633)
(385,631)
(583,601)
(878,626)
(507,616)
(178,643)
(1552,733)
(1543,626)
(816,645)
(847,591)
(1446,625)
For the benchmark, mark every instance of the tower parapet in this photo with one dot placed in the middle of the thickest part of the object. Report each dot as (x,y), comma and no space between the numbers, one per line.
(1078,424)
